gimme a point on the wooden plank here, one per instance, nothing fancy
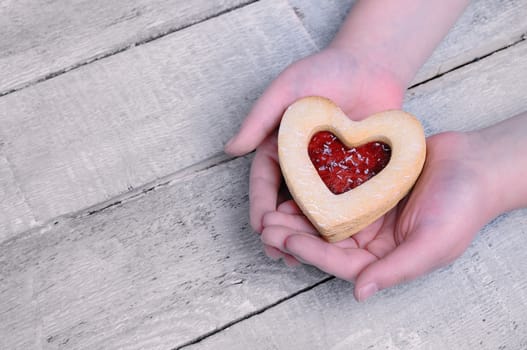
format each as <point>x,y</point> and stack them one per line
<point>40,38</point>
<point>15,214</point>
<point>115,125</point>
<point>474,96</point>
<point>45,38</point>
<point>322,19</point>
<point>152,273</point>
<point>486,26</point>
<point>180,262</point>
<point>478,302</point>
<point>119,123</point>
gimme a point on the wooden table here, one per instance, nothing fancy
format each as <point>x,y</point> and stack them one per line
<point>124,226</point>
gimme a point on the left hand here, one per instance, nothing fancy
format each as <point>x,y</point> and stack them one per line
<point>359,85</point>
<point>428,229</point>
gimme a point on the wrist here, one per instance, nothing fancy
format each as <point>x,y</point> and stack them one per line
<point>398,35</point>
<point>488,194</point>
<point>500,148</point>
<point>380,88</point>
<point>377,59</point>
<point>368,33</point>
<point>459,154</point>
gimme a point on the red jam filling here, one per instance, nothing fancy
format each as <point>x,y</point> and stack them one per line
<point>342,168</point>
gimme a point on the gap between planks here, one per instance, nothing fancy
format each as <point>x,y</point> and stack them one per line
<point>521,39</point>
<point>222,159</point>
<point>254,313</point>
<point>202,165</point>
<point>330,278</point>
<point>133,194</point>
<point>122,49</point>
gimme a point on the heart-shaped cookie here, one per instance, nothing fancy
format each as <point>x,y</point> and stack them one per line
<point>338,216</point>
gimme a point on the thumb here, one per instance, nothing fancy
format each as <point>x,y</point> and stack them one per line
<point>419,254</point>
<point>263,118</point>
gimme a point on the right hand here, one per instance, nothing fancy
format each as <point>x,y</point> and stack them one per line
<point>428,229</point>
<point>357,84</point>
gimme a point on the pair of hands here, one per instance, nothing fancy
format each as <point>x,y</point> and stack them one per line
<point>428,229</point>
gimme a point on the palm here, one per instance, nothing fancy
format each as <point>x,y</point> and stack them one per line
<point>415,237</point>
<point>359,88</point>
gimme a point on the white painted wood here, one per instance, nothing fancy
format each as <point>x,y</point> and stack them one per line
<point>479,302</point>
<point>474,96</point>
<point>152,273</point>
<point>322,19</point>
<point>42,37</point>
<point>116,124</point>
<point>15,213</point>
<point>485,26</point>
<point>179,262</point>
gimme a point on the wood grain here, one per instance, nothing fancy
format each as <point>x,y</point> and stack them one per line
<point>152,273</point>
<point>42,38</point>
<point>15,213</point>
<point>179,263</point>
<point>116,124</point>
<point>475,96</point>
<point>485,26</point>
<point>112,126</point>
<point>479,302</point>
<point>322,19</point>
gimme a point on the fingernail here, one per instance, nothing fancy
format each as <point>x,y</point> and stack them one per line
<point>367,291</point>
<point>290,261</point>
<point>229,143</point>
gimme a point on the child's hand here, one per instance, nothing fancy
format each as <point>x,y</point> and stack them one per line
<point>357,84</point>
<point>431,227</point>
<point>365,70</point>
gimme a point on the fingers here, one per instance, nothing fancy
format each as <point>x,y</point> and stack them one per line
<point>289,207</point>
<point>330,258</point>
<point>384,241</point>
<point>276,254</point>
<point>367,234</point>
<point>285,229</point>
<point>273,238</point>
<point>278,224</point>
<point>414,257</point>
<point>264,182</point>
<point>291,221</point>
<point>263,118</point>
<point>276,236</point>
